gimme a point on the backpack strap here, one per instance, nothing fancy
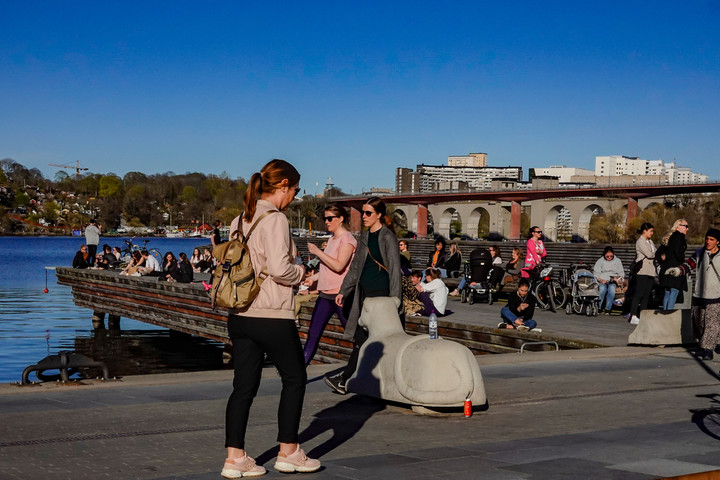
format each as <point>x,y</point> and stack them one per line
<point>258,221</point>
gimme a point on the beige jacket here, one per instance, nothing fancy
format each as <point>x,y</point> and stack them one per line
<point>272,252</point>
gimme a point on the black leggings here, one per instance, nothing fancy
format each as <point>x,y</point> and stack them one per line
<point>643,290</point>
<point>251,337</point>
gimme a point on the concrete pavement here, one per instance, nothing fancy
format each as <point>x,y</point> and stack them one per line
<point>616,413</point>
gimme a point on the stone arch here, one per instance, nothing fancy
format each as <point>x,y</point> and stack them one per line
<point>585,217</point>
<point>478,225</point>
<point>449,216</point>
<point>558,224</point>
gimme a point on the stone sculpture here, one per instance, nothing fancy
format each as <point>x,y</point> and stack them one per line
<point>412,369</point>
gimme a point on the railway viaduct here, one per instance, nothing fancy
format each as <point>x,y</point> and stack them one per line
<point>560,212</point>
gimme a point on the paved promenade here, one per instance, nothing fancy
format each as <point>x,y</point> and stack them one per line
<point>615,413</point>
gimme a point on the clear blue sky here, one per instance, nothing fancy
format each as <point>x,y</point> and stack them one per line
<point>352,90</point>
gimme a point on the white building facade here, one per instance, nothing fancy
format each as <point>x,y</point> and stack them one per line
<point>619,165</point>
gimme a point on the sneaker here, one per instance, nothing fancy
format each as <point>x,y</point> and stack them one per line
<point>501,325</point>
<point>455,293</point>
<point>627,317</point>
<point>634,320</point>
<point>523,328</point>
<point>297,462</point>
<point>337,383</point>
<point>242,467</point>
<point>704,354</point>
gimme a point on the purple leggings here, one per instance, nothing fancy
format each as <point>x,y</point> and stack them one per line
<point>428,307</point>
<point>324,309</point>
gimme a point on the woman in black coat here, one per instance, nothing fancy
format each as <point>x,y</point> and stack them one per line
<point>674,253</point>
<point>82,258</point>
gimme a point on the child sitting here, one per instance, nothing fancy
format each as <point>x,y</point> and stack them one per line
<point>520,308</point>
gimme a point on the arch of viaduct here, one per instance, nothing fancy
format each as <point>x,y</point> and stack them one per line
<point>561,211</point>
<point>557,217</point>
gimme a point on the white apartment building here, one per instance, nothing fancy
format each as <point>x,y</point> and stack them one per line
<point>563,173</point>
<point>619,165</point>
<point>476,177</point>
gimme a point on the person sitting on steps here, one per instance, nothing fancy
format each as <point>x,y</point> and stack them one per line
<point>520,309</point>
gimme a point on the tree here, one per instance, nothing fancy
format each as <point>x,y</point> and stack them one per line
<point>110,186</point>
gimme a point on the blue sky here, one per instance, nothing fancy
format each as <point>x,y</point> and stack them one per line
<point>351,90</point>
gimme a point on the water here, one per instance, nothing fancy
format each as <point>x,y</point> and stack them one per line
<point>34,324</point>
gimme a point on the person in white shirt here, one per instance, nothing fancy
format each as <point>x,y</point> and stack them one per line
<point>152,266</point>
<point>433,293</point>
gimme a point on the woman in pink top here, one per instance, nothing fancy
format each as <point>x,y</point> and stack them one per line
<point>334,263</point>
<point>535,252</point>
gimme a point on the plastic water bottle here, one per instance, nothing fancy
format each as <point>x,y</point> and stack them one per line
<point>432,326</point>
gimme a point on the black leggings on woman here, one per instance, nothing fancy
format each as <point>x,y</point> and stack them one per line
<point>251,338</point>
<point>643,290</point>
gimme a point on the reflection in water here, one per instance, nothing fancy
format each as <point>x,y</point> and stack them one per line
<point>34,324</point>
<point>136,352</point>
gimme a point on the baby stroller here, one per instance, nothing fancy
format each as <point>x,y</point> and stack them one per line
<point>584,292</point>
<point>477,270</point>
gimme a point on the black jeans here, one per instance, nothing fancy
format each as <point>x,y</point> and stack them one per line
<point>643,289</point>
<point>251,337</point>
<point>92,250</point>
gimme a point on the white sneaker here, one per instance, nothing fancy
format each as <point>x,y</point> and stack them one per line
<point>634,320</point>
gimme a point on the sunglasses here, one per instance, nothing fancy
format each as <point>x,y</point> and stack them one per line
<point>367,213</point>
<point>686,226</point>
<point>330,218</point>
<point>537,231</point>
<point>297,190</point>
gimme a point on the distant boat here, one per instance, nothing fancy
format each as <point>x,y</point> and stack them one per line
<point>175,234</point>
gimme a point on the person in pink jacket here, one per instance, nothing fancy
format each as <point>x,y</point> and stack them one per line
<point>268,325</point>
<point>535,252</point>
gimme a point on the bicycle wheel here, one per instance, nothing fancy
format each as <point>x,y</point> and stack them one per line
<point>541,294</point>
<point>558,295</point>
<point>156,253</point>
<point>550,294</point>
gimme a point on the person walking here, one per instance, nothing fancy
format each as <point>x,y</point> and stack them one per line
<point>334,264</point>
<point>374,272</point>
<point>674,253</point>
<point>644,272</point>
<point>705,310</point>
<point>268,325</point>
<point>92,239</point>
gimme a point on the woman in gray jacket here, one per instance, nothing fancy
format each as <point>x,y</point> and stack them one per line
<point>374,272</point>
<point>645,273</point>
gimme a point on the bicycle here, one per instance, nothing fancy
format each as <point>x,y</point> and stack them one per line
<point>549,293</point>
<point>130,247</point>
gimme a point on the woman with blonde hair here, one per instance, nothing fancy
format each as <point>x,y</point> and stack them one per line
<point>673,248</point>
<point>268,325</point>
<point>454,261</point>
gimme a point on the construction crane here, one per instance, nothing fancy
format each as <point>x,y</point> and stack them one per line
<point>77,167</point>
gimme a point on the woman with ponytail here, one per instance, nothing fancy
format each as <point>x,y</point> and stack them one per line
<point>268,325</point>
<point>374,272</point>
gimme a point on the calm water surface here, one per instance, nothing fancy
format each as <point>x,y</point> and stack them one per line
<point>34,324</point>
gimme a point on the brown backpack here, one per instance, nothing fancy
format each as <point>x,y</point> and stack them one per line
<point>234,284</point>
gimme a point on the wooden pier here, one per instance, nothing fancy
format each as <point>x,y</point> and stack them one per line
<point>186,308</point>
